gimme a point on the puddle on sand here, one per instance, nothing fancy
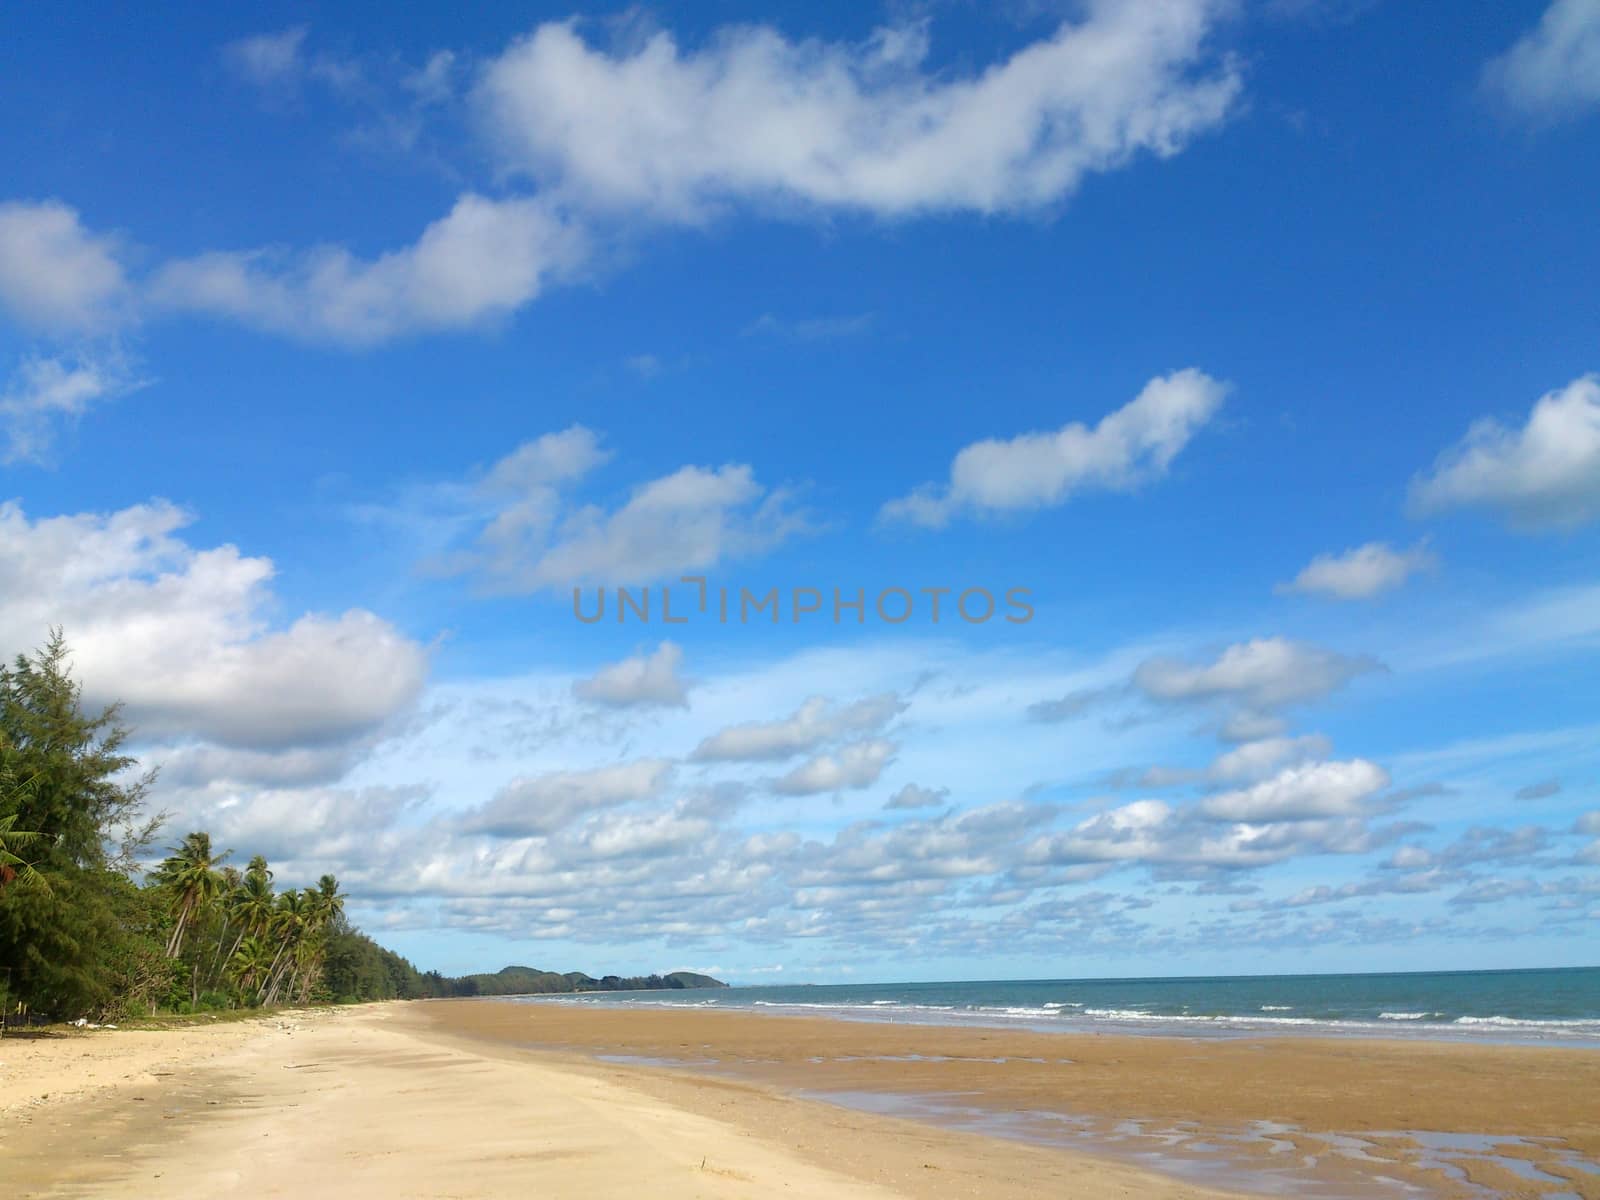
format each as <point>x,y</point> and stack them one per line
<point>645,1060</point>
<point>1263,1157</point>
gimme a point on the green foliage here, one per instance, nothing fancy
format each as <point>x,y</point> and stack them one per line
<point>67,925</point>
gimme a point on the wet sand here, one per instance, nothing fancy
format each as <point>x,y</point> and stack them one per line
<point>1280,1114</point>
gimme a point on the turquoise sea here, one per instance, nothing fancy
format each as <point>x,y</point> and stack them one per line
<point>1560,1006</point>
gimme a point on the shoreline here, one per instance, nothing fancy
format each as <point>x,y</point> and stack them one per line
<point>468,1098</point>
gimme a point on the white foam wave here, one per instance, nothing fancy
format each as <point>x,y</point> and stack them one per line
<point>1526,1023</point>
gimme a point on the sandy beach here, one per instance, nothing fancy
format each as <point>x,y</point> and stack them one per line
<point>481,1099</point>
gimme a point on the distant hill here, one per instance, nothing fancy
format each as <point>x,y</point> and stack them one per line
<point>521,981</point>
<point>689,979</point>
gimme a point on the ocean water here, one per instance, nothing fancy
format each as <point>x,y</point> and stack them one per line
<point>1544,1006</point>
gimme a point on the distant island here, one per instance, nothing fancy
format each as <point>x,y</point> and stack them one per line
<point>522,981</point>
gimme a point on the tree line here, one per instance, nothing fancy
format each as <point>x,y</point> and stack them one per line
<point>86,931</point>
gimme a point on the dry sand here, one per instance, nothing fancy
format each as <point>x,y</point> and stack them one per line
<point>483,1099</point>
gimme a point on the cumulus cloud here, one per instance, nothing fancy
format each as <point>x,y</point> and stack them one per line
<point>1316,790</point>
<point>47,393</point>
<point>536,536</point>
<point>1261,675</point>
<point>536,805</point>
<point>1244,763</point>
<point>642,680</point>
<point>1545,475</point>
<point>1361,573</point>
<point>1128,447</point>
<point>192,766</point>
<point>547,461</point>
<point>483,259</point>
<point>853,766</point>
<point>305,827</point>
<point>752,117</point>
<point>180,635</point>
<point>813,724</point>
<point>54,273</point>
<point>915,796</point>
<point>1553,70</point>
<point>1186,839</point>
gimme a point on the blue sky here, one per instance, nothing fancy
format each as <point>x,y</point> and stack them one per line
<point>1257,342</point>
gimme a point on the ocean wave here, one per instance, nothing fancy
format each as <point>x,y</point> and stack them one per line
<point>1277,1008</point>
<point>1530,1023</point>
<point>1409,1016</point>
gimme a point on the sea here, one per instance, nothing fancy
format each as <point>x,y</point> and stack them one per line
<point>1555,1006</point>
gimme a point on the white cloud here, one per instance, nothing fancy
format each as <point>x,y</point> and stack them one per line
<point>1244,763</point>
<point>1304,811</point>
<point>196,766</point>
<point>814,723</point>
<point>1361,573</point>
<point>638,681</point>
<point>547,461</point>
<point>180,636</point>
<point>856,765</point>
<point>1128,447</point>
<point>49,392</point>
<point>753,117</point>
<point>915,796</point>
<point>1545,475</point>
<point>1542,790</point>
<point>1316,790</point>
<point>304,827</point>
<point>483,259</point>
<point>268,59</point>
<point>537,537</point>
<point>1074,704</point>
<point>1262,674</point>
<point>1253,760</point>
<point>1553,70</point>
<point>542,804</point>
<point>53,272</point>
<point>811,329</point>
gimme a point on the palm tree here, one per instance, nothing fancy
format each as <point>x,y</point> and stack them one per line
<point>12,865</point>
<point>228,894</point>
<point>252,904</point>
<point>251,960</point>
<point>289,922</point>
<point>191,876</point>
<point>324,904</point>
